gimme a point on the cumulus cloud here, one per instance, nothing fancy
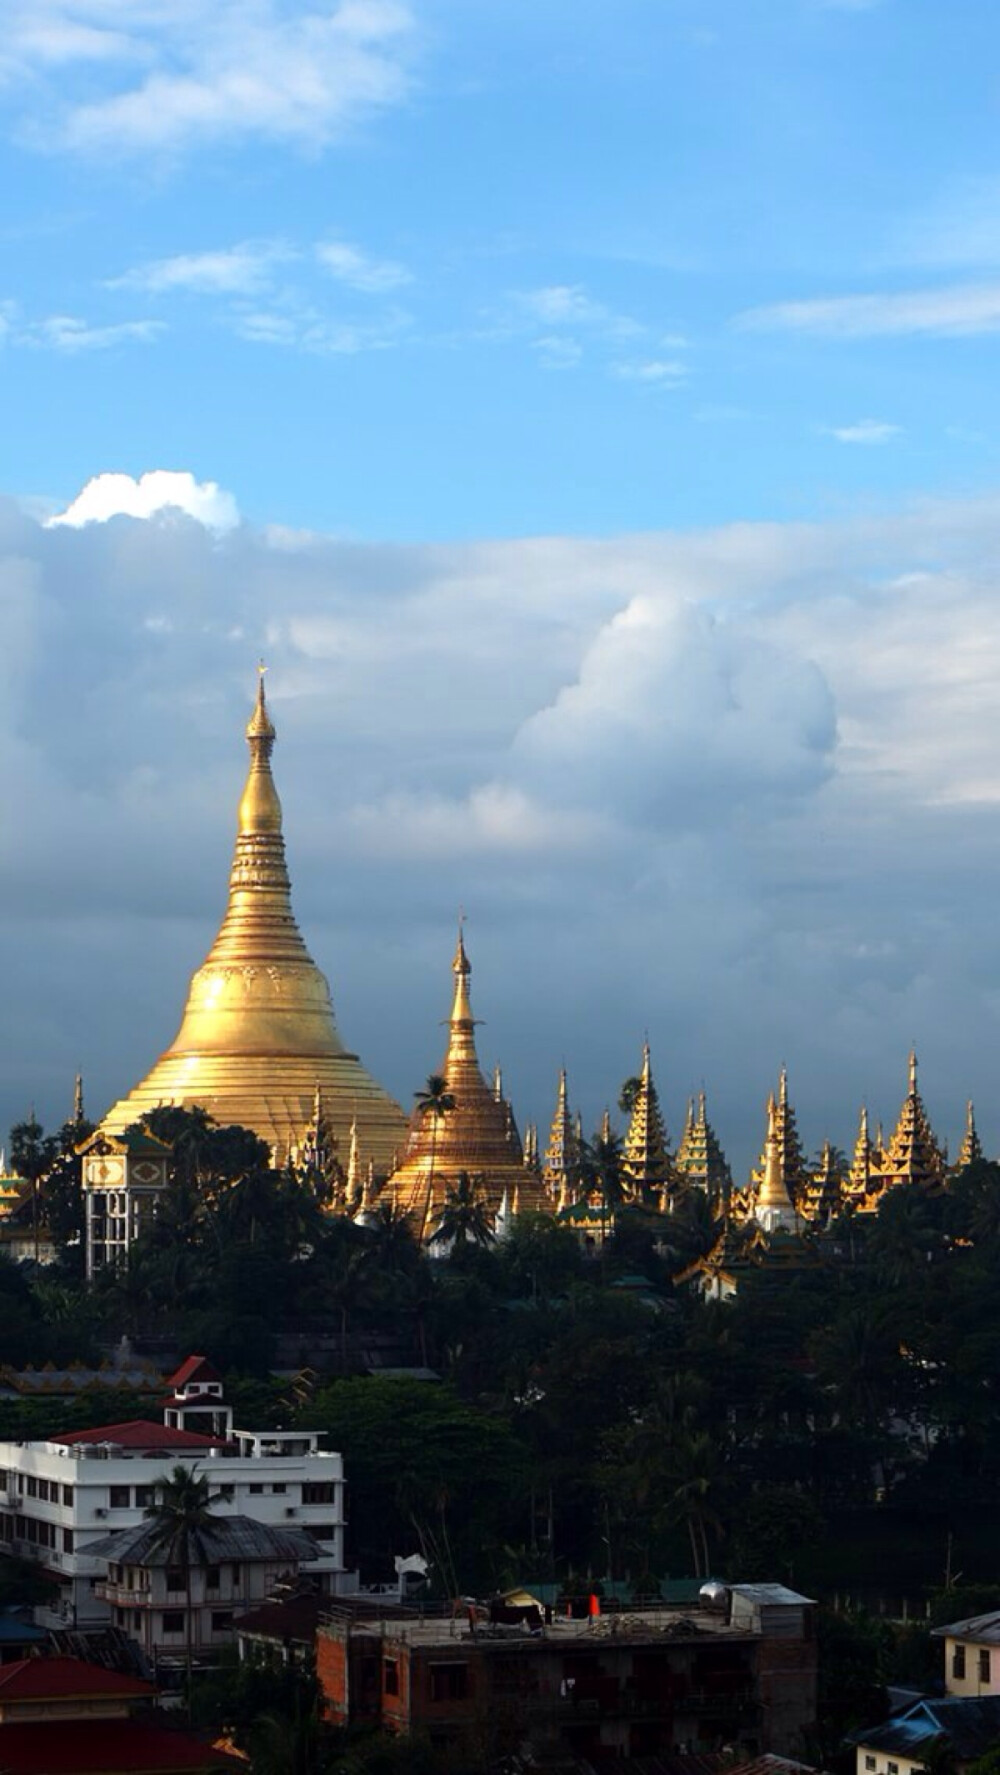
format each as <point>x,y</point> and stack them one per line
<point>161,489</point>
<point>163,78</point>
<point>736,787</point>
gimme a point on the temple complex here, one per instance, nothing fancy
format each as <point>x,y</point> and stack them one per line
<point>474,1134</point>
<point>258,1044</point>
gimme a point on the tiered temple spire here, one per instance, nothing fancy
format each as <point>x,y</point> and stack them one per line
<point>647,1170</point>
<point>913,1154</point>
<point>701,1162</point>
<point>971,1148</point>
<point>560,1164</point>
<point>258,1031</point>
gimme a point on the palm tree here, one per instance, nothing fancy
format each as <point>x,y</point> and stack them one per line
<point>465,1215</point>
<point>435,1101</point>
<point>181,1514</point>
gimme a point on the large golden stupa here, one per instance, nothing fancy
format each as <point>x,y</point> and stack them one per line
<point>258,1044</point>
<point>476,1135</point>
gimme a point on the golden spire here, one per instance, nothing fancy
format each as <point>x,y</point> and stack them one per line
<point>647,1170</point>
<point>476,1135</point>
<point>258,1034</point>
<point>559,1163</point>
<point>774,1208</point>
<point>701,1162</point>
<point>971,1148</point>
<point>913,1154</point>
<point>78,1113</point>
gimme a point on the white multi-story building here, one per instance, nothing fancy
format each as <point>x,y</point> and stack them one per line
<point>59,1496</point>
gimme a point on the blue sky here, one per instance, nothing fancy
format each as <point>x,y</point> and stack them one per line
<point>506,268</point>
<point>590,411</point>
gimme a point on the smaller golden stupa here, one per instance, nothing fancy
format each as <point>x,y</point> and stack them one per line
<point>477,1135</point>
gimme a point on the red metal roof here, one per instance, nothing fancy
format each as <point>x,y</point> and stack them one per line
<point>107,1747</point>
<point>139,1433</point>
<point>62,1679</point>
<point>193,1368</point>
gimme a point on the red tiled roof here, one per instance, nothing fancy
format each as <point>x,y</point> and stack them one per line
<point>193,1368</point>
<point>61,1679</point>
<point>140,1433</point>
<point>106,1747</point>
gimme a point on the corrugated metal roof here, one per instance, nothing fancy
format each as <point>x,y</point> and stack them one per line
<point>229,1538</point>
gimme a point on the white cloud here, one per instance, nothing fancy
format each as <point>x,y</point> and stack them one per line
<point>67,332</point>
<point>956,311</point>
<point>349,265</point>
<point>656,371</point>
<point>864,431</point>
<point>118,495</point>
<point>569,305</point>
<point>183,74</point>
<point>226,271</point>
<point>557,351</point>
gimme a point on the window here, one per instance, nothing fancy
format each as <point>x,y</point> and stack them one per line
<point>984,1665</point>
<point>870,1763</point>
<point>319,1494</point>
<point>256,1488</point>
<point>958,1662</point>
<point>173,1621</point>
<point>893,1768</point>
<point>211,1577</point>
<point>322,1531</point>
<point>279,1488</point>
<point>32,1486</point>
<point>450,1682</point>
<point>121,1497</point>
<point>175,1580</point>
<point>225,1493</point>
<point>143,1497</point>
<point>222,1620</point>
<point>136,1618</point>
<point>390,1676</point>
<point>68,1496</point>
<point>43,1490</point>
<point>67,1540</point>
<point>236,1577</point>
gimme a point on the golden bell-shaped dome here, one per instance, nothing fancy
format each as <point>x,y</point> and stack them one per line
<point>258,1036</point>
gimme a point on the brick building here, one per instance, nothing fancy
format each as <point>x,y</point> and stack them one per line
<point>636,1682</point>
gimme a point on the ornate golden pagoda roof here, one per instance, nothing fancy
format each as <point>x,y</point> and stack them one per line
<point>477,1135</point>
<point>913,1154</point>
<point>971,1148</point>
<point>787,1146</point>
<point>647,1169</point>
<point>863,1186</point>
<point>821,1197</point>
<point>560,1166</point>
<point>774,1204</point>
<point>258,1040</point>
<point>701,1162</point>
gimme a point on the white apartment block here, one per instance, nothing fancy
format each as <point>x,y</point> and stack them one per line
<point>59,1496</point>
